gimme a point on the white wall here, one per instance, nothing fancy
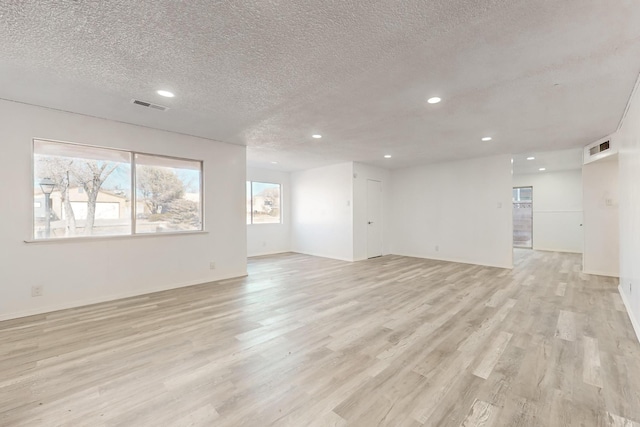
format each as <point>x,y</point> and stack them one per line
<point>601,230</point>
<point>629,174</point>
<point>463,208</point>
<point>78,272</point>
<point>264,239</point>
<point>362,173</point>
<point>322,217</point>
<point>557,209</point>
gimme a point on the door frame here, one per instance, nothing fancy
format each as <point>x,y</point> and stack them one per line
<point>380,219</point>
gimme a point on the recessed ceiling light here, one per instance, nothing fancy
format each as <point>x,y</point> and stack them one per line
<point>542,169</point>
<point>387,156</point>
<point>274,163</point>
<point>531,158</point>
<point>434,100</point>
<point>487,138</point>
<point>165,93</point>
<point>316,136</point>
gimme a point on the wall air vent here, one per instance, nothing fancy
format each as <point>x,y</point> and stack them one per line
<point>599,148</point>
<point>149,105</point>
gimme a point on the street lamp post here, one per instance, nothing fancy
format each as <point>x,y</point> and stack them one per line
<point>47,185</point>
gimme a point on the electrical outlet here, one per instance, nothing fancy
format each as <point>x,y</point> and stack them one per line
<point>264,244</point>
<point>36,291</point>
<point>437,248</point>
<point>629,287</point>
<point>212,265</point>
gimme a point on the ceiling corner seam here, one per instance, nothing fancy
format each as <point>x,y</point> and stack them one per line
<point>626,109</point>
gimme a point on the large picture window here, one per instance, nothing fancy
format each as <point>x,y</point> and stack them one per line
<point>89,191</point>
<point>263,203</point>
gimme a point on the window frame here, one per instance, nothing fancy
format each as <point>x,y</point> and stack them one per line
<point>132,233</point>
<point>519,198</point>
<point>281,221</point>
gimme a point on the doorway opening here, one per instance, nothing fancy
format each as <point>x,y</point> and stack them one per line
<point>523,217</point>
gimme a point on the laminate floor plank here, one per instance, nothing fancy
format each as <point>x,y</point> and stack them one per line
<point>307,341</point>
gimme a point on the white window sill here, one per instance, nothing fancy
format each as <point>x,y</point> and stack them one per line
<point>121,237</point>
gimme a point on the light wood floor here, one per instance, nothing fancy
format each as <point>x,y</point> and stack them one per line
<point>307,341</point>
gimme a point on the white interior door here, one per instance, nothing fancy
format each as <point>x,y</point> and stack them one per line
<point>374,218</point>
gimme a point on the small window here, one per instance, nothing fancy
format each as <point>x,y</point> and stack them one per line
<point>263,203</point>
<point>522,194</point>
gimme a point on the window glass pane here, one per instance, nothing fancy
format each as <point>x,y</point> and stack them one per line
<point>168,194</point>
<point>522,194</point>
<point>248,202</point>
<point>89,191</point>
<point>525,194</point>
<point>266,203</point>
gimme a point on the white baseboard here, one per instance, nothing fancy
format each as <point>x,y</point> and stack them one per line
<point>600,273</point>
<point>461,261</point>
<point>453,259</point>
<point>319,255</point>
<point>567,251</point>
<point>627,305</point>
<point>366,258</point>
<point>108,298</point>
<point>267,253</point>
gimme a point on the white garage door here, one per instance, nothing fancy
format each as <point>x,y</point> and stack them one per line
<point>104,210</point>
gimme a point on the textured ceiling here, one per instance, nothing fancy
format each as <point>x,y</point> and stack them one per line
<point>534,75</point>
